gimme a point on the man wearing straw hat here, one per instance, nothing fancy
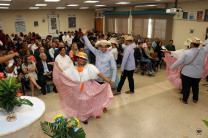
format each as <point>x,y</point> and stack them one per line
<point>127,66</point>
<point>191,73</point>
<point>104,60</point>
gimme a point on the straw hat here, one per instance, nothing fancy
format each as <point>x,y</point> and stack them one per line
<point>129,38</point>
<point>103,42</point>
<point>194,40</point>
<point>82,55</point>
<point>113,41</point>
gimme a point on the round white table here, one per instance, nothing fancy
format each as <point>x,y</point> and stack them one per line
<point>28,120</point>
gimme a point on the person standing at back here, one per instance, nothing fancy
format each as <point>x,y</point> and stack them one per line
<point>127,66</point>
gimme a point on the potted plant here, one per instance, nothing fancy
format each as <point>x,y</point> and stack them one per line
<point>63,127</point>
<point>10,96</point>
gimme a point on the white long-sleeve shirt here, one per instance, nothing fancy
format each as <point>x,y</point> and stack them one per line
<point>64,62</point>
<point>52,51</point>
<point>104,61</point>
<point>195,69</point>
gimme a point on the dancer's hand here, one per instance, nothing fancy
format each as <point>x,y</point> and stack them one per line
<point>112,84</point>
<point>108,80</point>
<point>122,73</point>
<point>84,30</point>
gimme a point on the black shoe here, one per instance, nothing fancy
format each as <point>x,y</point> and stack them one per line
<point>55,90</point>
<point>85,122</point>
<point>43,91</point>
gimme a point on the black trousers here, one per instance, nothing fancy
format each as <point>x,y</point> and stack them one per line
<point>187,84</point>
<point>128,74</point>
<point>42,80</point>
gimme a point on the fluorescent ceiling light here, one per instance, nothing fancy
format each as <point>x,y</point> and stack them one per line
<point>3,4</point>
<point>100,5</point>
<point>51,0</point>
<point>60,7</point>
<point>122,2</point>
<point>73,5</point>
<point>84,8</point>
<point>145,6</point>
<point>150,5</point>
<point>90,1</point>
<point>40,4</point>
<point>5,0</point>
<point>34,8</point>
<point>4,7</point>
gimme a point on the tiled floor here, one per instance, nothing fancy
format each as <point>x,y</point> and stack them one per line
<point>154,111</point>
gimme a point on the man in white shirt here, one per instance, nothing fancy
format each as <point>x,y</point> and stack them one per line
<point>64,37</point>
<point>34,47</point>
<point>69,39</point>
<point>63,60</point>
<point>52,50</point>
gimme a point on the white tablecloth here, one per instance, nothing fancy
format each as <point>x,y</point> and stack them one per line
<point>28,120</point>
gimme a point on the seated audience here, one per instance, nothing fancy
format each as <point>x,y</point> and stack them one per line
<point>52,50</point>
<point>63,60</point>
<point>170,46</point>
<point>145,43</point>
<point>29,69</point>
<point>44,72</point>
<point>24,47</point>
<point>141,57</point>
<point>42,50</point>
<point>27,53</point>
<point>154,44</point>
<point>73,53</point>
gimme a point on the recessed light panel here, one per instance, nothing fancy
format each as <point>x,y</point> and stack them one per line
<point>60,7</point>
<point>51,0</point>
<point>3,4</point>
<point>90,1</point>
<point>40,4</point>
<point>73,5</point>
<point>84,8</point>
<point>122,2</point>
<point>100,5</point>
<point>34,8</point>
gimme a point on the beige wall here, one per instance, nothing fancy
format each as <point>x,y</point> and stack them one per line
<point>181,28</point>
<point>83,17</point>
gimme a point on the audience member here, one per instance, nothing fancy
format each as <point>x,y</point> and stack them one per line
<point>64,61</point>
<point>44,72</point>
<point>29,69</point>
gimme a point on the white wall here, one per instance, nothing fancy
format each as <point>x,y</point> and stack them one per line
<point>181,28</point>
<point>83,17</point>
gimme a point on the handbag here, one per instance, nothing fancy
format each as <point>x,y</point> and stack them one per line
<point>188,63</point>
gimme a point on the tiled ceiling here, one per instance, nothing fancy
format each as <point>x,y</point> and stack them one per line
<point>25,4</point>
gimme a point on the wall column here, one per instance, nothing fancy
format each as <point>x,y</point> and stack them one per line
<point>130,23</point>
<point>104,25</point>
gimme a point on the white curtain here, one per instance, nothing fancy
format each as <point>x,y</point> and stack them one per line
<point>110,25</point>
<point>121,25</point>
<point>160,28</point>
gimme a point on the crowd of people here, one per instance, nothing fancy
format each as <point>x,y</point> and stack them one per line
<point>32,59</point>
<point>35,53</point>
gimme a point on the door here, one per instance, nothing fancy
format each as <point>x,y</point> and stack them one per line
<point>99,24</point>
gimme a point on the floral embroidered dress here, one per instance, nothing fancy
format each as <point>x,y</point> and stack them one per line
<point>80,95</point>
